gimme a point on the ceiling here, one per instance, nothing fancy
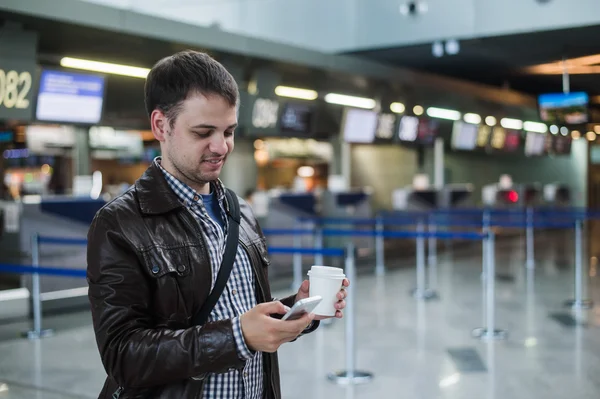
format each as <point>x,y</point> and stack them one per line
<point>498,60</point>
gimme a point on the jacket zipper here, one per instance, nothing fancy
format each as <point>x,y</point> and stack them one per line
<point>118,393</point>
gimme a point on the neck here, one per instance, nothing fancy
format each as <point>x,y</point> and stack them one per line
<point>199,187</point>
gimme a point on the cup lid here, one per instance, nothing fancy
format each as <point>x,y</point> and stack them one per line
<point>326,271</point>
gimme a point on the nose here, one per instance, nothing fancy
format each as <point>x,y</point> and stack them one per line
<point>218,144</point>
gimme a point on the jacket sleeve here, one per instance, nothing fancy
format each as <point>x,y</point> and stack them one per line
<point>134,352</point>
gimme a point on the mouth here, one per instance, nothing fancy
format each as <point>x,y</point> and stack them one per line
<point>214,162</point>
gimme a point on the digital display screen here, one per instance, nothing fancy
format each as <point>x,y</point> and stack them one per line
<point>464,136</point>
<point>296,118</point>
<point>483,135</point>
<point>512,140</point>
<point>562,145</point>
<point>360,126</point>
<point>408,129</point>
<point>569,108</point>
<point>535,144</point>
<point>385,127</point>
<point>498,138</point>
<point>70,97</point>
<point>427,131</point>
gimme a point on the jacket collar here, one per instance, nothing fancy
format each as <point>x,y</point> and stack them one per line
<point>154,194</point>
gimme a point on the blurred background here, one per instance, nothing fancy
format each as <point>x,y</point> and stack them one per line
<point>349,109</point>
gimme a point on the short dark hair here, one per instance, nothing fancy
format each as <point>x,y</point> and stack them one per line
<point>174,78</point>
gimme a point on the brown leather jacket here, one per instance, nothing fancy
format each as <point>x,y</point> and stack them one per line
<point>148,274</point>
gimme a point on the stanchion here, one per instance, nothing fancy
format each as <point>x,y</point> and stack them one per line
<point>379,248</point>
<point>490,333</point>
<point>318,243</point>
<point>432,281</point>
<point>484,259</point>
<point>350,375</point>
<point>297,263</point>
<point>421,292</point>
<point>579,303</point>
<point>36,300</point>
<point>530,264</point>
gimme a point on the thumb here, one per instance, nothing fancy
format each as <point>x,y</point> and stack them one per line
<point>274,307</point>
<point>305,287</point>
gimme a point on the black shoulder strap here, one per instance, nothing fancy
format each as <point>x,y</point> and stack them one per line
<point>233,214</point>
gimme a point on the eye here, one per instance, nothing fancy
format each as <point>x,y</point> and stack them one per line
<point>202,135</point>
<point>229,133</point>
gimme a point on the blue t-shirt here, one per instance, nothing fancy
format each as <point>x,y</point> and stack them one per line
<point>212,208</point>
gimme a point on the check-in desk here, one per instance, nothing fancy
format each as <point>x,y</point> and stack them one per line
<point>456,196</point>
<point>558,195</point>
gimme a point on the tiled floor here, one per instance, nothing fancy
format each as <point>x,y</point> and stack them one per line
<point>405,343</point>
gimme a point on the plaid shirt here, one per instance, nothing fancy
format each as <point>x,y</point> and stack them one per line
<point>237,298</point>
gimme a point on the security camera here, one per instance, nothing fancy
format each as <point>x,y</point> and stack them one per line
<point>414,8</point>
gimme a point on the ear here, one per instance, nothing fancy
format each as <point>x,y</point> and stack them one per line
<point>159,124</point>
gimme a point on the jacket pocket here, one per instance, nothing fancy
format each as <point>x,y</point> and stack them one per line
<point>167,268</point>
<point>262,251</point>
<point>161,261</point>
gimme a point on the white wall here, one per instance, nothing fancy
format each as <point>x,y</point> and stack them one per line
<point>346,25</point>
<point>384,168</point>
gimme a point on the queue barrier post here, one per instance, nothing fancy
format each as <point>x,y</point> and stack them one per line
<point>350,376</point>
<point>421,292</point>
<point>379,247</point>
<point>36,301</point>
<point>490,332</point>
<point>579,303</point>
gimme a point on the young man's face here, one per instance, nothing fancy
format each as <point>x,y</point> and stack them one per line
<point>197,145</point>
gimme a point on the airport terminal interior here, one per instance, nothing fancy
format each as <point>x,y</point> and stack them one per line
<point>443,154</point>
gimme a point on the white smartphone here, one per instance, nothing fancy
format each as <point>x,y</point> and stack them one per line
<point>302,307</point>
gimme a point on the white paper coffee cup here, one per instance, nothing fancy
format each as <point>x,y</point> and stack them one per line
<point>326,282</point>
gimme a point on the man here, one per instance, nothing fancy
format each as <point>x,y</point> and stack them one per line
<point>155,253</point>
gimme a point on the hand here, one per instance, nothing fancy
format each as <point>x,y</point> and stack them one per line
<point>264,333</point>
<point>304,291</point>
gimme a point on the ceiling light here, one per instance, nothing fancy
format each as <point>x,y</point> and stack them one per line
<point>591,136</point>
<point>597,129</point>
<point>350,101</point>
<point>259,144</point>
<point>105,67</point>
<point>294,92</point>
<point>397,108</point>
<point>490,121</point>
<point>554,129</point>
<point>442,113</point>
<point>575,134</point>
<point>472,118</point>
<point>536,127</point>
<point>306,171</point>
<point>564,131</point>
<point>531,342</point>
<point>452,47</point>
<point>509,123</point>
<point>450,380</point>
<point>418,110</point>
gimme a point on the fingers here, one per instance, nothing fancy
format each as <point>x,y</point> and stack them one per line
<point>274,307</point>
<point>346,283</point>
<point>305,287</point>
<point>295,326</point>
<point>340,305</point>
